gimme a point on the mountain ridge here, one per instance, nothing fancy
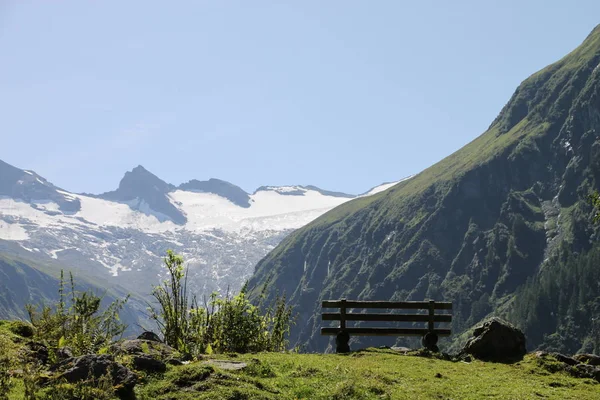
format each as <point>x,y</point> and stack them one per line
<point>473,227</point>
<point>122,235</point>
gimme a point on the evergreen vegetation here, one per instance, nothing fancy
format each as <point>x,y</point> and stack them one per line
<point>220,324</point>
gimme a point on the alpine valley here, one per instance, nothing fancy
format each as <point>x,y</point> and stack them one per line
<point>503,226</point>
<point>119,238</point>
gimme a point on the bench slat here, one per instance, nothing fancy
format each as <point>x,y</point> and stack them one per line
<point>386,331</point>
<point>387,317</point>
<point>409,305</point>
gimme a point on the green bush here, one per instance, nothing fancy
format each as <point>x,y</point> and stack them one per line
<point>221,324</point>
<point>77,321</point>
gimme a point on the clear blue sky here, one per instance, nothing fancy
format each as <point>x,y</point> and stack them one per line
<point>340,94</point>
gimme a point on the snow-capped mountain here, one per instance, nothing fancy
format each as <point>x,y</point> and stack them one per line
<point>221,230</point>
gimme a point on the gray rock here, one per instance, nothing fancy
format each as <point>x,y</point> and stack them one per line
<point>147,363</point>
<point>590,359</point>
<point>584,371</point>
<point>37,352</point>
<point>94,366</point>
<point>227,364</point>
<point>147,335</point>
<point>141,346</point>
<point>496,340</point>
<point>565,359</point>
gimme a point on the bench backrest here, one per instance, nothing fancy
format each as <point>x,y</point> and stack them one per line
<point>430,317</point>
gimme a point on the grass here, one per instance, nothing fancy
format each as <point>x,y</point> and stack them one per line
<point>368,374</point>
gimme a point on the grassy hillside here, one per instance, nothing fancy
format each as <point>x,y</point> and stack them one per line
<point>471,229</point>
<point>25,280</point>
<point>369,374</point>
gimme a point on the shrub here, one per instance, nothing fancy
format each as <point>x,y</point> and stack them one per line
<point>228,324</point>
<point>77,321</point>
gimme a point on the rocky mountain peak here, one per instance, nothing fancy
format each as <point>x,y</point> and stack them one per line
<point>31,188</point>
<point>145,192</point>
<point>231,192</point>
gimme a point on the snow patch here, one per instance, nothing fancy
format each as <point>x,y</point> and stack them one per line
<point>10,231</point>
<point>385,186</point>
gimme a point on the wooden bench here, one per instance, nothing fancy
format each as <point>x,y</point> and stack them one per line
<point>429,334</point>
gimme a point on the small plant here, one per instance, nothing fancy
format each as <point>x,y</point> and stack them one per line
<point>77,321</point>
<point>6,361</point>
<point>31,379</point>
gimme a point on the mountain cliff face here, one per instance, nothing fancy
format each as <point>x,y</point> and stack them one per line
<point>472,229</point>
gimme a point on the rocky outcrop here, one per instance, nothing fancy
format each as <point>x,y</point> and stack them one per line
<point>147,335</point>
<point>590,359</point>
<point>147,355</point>
<point>496,340</point>
<point>579,366</point>
<point>94,367</point>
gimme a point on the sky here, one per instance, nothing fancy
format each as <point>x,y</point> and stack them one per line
<point>343,95</point>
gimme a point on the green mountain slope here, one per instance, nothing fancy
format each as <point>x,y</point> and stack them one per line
<point>26,280</point>
<point>472,228</point>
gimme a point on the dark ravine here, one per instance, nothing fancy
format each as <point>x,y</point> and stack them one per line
<point>471,229</point>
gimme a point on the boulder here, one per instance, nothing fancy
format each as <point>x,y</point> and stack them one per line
<point>142,346</point>
<point>564,359</point>
<point>590,359</point>
<point>147,363</point>
<point>496,340</point>
<point>36,352</point>
<point>147,335</point>
<point>584,371</point>
<point>94,367</point>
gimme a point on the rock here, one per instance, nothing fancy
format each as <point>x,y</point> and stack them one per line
<point>402,350</point>
<point>564,359</point>
<point>584,371</point>
<point>64,353</point>
<point>147,363</point>
<point>147,335</point>
<point>142,346</point>
<point>540,354</point>
<point>22,328</point>
<point>174,361</point>
<point>93,366</point>
<point>496,340</point>
<point>36,352</point>
<point>227,364</point>
<point>590,359</point>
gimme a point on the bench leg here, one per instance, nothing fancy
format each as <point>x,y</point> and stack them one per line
<point>429,341</point>
<point>341,342</point>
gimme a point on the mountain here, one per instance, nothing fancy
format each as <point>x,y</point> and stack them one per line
<point>233,193</point>
<point>122,235</point>
<point>31,187</point>
<point>484,228</point>
<point>29,279</point>
<point>145,192</point>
